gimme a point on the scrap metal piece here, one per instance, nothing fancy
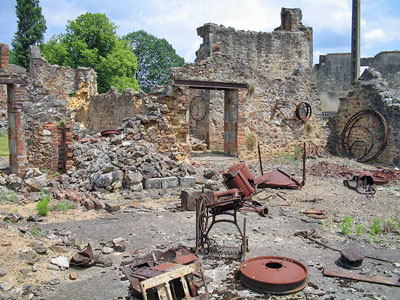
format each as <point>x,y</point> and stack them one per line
<point>174,284</point>
<point>333,272</point>
<point>352,123</point>
<point>221,207</point>
<point>350,258</point>
<point>86,258</point>
<point>110,132</point>
<point>278,179</point>
<point>274,274</point>
<point>303,107</point>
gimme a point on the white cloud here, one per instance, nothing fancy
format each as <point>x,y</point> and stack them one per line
<point>375,35</point>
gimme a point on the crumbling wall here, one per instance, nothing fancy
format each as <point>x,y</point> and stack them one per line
<point>372,92</point>
<point>58,80</point>
<point>277,66</point>
<point>108,110</point>
<point>333,75</point>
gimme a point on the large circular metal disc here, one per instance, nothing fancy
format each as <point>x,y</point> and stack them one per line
<point>273,274</point>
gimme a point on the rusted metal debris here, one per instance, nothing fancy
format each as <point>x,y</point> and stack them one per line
<point>303,111</point>
<point>332,272</point>
<point>274,274</point>
<point>350,258</point>
<point>361,183</point>
<point>349,141</point>
<point>222,207</point>
<point>327,169</point>
<point>153,269</point>
<point>379,177</point>
<point>309,235</point>
<point>86,258</point>
<point>110,132</point>
<point>175,284</point>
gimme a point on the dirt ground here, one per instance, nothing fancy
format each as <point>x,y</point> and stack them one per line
<point>156,222</point>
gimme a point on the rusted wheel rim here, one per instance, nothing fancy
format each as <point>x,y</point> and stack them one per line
<point>273,274</point>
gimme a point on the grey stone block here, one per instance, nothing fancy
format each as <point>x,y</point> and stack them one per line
<point>187,181</point>
<point>152,183</point>
<point>169,182</point>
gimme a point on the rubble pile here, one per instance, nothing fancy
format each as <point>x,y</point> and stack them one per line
<point>126,160</point>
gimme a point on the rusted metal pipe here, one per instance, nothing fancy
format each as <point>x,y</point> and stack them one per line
<point>259,158</point>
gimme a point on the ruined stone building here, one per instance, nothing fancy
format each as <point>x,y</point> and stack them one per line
<point>247,83</point>
<point>277,68</point>
<point>243,89</point>
<point>333,75</point>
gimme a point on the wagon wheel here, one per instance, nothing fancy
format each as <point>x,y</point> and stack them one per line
<point>203,215</point>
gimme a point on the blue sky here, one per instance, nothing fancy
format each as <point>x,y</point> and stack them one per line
<point>177,20</point>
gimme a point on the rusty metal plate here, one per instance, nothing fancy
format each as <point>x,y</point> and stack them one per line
<point>273,274</point>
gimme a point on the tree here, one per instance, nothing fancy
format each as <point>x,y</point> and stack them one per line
<point>155,56</point>
<point>30,29</point>
<point>90,41</point>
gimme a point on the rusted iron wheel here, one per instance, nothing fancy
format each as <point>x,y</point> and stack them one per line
<point>303,111</point>
<point>352,123</point>
<point>273,274</point>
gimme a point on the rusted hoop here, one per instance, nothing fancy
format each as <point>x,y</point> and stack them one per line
<point>308,111</point>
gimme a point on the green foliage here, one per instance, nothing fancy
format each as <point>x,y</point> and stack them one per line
<point>155,56</point>
<point>297,152</point>
<point>35,231</point>
<point>4,149</point>
<point>118,68</point>
<point>376,227</point>
<point>12,57</point>
<point>61,124</point>
<point>31,26</point>
<point>359,229</point>
<point>9,196</point>
<point>42,206</point>
<point>90,41</point>
<point>62,206</point>
<point>346,224</point>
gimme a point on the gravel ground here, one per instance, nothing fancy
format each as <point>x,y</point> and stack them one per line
<point>151,224</point>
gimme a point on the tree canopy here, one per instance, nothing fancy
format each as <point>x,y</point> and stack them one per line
<point>91,41</point>
<point>155,56</point>
<point>30,30</point>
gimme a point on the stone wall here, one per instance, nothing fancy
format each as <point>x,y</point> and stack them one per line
<point>58,80</point>
<point>277,67</point>
<point>333,75</point>
<point>107,111</point>
<point>372,92</point>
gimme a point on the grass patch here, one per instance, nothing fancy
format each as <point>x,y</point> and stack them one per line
<point>9,196</point>
<point>42,206</point>
<point>346,224</point>
<point>62,206</point>
<point>4,149</point>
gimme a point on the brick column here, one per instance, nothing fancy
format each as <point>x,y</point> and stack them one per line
<point>4,56</point>
<point>16,134</point>
<point>69,162</point>
<point>242,120</point>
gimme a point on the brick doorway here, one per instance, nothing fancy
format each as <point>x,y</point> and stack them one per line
<point>232,95</point>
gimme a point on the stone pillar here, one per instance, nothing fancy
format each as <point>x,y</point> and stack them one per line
<point>4,56</point>
<point>231,122</point>
<point>291,19</point>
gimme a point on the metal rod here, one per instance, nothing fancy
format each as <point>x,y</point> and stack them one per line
<point>259,158</point>
<point>304,165</point>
